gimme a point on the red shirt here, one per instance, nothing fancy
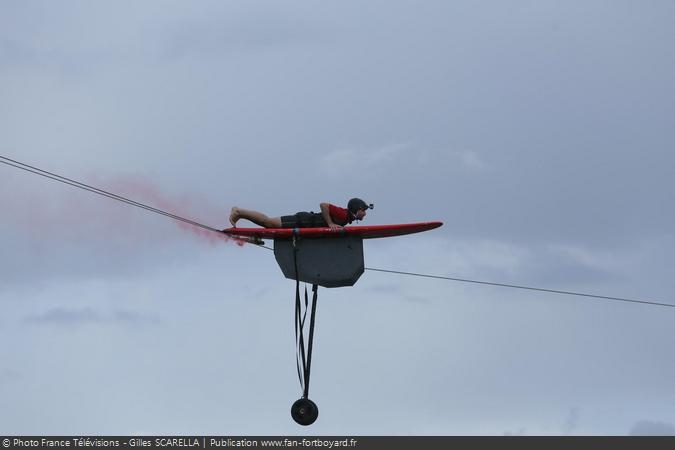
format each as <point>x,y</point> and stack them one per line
<point>339,215</point>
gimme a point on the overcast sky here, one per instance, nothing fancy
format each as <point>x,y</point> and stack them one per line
<point>539,132</point>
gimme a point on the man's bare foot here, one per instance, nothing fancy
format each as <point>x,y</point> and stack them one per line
<point>234,216</point>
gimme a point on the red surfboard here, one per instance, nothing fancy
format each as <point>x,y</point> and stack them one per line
<point>365,232</point>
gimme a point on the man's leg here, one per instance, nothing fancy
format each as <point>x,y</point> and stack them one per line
<point>256,217</point>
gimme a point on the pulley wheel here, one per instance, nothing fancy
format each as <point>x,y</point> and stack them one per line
<point>304,411</point>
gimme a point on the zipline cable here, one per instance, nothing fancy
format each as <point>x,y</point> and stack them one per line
<point>95,190</point>
<point>554,291</point>
<point>514,286</point>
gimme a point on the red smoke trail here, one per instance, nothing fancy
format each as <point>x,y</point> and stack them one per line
<point>142,191</point>
<point>49,212</point>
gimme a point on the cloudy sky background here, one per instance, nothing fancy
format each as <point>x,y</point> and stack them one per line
<point>540,133</point>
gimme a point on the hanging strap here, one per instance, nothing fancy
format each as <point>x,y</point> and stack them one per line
<point>308,368</point>
<point>299,322</point>
<point>303,359</point>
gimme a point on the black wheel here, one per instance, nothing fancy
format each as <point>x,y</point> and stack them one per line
<point>304,411</point>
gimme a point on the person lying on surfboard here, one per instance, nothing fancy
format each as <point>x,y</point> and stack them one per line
<point>331,216</point>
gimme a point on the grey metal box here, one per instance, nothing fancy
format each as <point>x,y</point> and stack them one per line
<point>328,262</point>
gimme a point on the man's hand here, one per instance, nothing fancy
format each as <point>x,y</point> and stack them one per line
<point>334,227</point>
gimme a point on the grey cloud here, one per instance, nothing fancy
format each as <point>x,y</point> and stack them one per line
<point>134,318</point>
<point>557,268</point>
<point>520,432</point>
<point>384,288</point>
<point>652,428</point>
<point>568,426</point>
<point>572,421</point>
<point>84,316</point>
<point>64,316</point>
<point>12,52</point>
<point>34,265</point>
<point>219,37</point>
<point>419,299</point>
<point>9,376</point>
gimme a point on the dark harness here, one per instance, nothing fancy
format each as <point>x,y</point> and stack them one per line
<point>304,219</point>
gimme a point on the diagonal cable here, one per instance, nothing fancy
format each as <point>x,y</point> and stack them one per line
<point>95,190</point>
<point>554,291</point>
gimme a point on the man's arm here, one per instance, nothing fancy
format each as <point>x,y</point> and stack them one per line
<point>325,212</point>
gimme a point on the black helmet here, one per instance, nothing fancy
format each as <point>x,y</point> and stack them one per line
<point>356,203</point>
